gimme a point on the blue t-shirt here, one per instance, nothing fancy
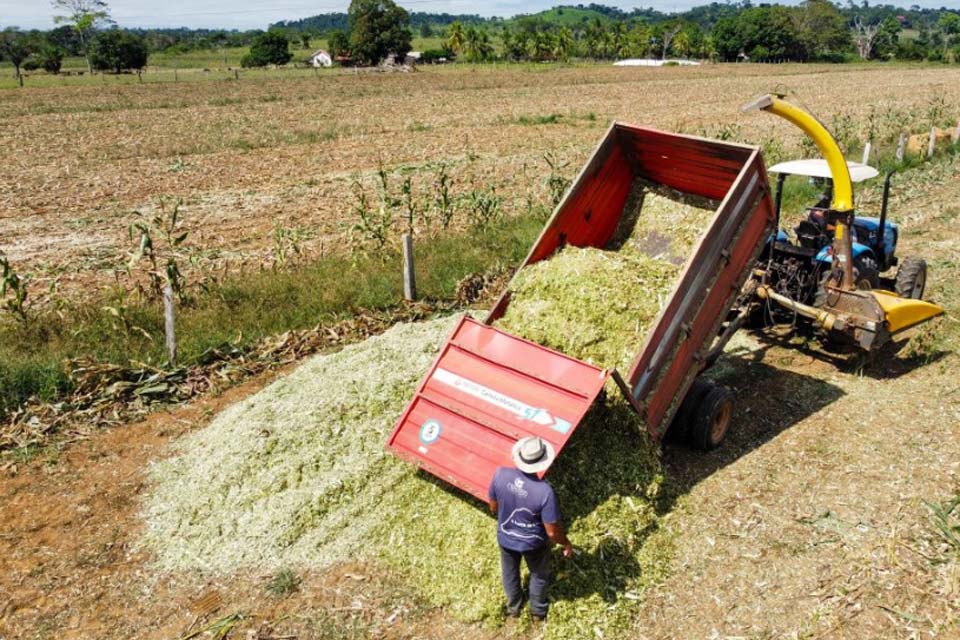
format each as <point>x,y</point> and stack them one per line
<point>524,504</point>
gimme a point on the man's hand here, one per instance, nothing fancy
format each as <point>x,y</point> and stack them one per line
<point>568,551</point>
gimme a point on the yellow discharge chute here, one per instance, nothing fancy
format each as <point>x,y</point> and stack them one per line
<point>842,185</point>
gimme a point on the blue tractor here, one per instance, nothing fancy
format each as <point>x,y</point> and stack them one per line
<point>801,267</point>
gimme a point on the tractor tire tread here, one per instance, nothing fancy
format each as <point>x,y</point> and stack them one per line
<point>907,275</point>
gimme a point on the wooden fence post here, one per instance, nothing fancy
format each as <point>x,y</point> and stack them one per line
<point>409,278</point>
<point>169,324</point>
<point>933,142</point>
<point>866,153</point>
<point>901,147</point>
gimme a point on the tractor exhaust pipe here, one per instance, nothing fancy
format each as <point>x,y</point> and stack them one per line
<point>882,232</point>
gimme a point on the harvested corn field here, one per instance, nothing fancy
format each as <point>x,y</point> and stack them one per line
<point>246,158</point>
<point>296,476</point>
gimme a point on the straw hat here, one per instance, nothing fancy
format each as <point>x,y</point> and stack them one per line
<point>533,454</point>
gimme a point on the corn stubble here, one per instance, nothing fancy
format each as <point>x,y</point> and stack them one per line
<point>296,476</point>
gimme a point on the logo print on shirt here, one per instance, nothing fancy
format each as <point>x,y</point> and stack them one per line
<point>517,488</point>
<point>520,525</point>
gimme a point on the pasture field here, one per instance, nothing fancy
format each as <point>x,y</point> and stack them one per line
<point>827,514</point>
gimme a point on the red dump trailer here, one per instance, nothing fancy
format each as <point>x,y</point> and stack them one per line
<point>487,388</point>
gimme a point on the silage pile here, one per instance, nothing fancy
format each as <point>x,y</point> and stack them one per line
<point>588,303</point>
<point>597,305</point>
<point>296,476</point>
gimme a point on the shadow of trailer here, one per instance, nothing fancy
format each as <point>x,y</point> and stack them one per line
<point>487,388</point>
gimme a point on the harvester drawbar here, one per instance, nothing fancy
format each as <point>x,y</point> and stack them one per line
<point>487,388</point>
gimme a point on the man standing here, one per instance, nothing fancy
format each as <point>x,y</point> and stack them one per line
<point>528,520</point>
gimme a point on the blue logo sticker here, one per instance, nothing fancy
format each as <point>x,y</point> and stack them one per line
<point>430,432</point>
<point>560,425</point>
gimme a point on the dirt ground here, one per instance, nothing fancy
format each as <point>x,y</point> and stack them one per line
<point>809,523</point>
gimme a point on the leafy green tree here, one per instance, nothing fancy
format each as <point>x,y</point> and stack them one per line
<point>564,44</point>
<point>85,16</point>
<point>16,46</point>
<point>271,47</point>
<point>305,37</point>
<point>763,33</point>
<point>66,38</point>
<point>888,36</point>
<point>824,31</point>
<point>456,37</point>
<point>477,45</point>
<point>50,57</point>
<point>116,51</point>
<point>377,29</point>
<point>727,39</point>
<point>425,30</point>
<point>339,43</point>
<point>949,24</point>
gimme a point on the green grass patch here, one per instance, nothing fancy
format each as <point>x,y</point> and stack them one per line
<point>242,309</point>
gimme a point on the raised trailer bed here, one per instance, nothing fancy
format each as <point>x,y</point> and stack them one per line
<point>488,388</point>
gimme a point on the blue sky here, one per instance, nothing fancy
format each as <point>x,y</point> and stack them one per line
<point>253,14</point>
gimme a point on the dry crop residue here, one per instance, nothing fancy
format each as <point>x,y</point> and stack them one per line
<point>244,156</point>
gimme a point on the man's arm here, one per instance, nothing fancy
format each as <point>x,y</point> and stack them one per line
<point>492,504</point>
<point>558,536</point>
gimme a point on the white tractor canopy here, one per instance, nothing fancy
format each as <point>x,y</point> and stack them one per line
<point>818,168</point>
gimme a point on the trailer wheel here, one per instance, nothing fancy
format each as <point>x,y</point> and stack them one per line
<point>912,278</point>
<point>712,420</point>
<point>683,421</point>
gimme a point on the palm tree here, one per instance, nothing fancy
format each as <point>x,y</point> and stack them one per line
<point>563,45</point>
<point>456,37</point>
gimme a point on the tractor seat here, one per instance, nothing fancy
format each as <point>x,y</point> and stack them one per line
<point>811,235</point>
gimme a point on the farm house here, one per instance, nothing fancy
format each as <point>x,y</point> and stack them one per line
<point>320,58</point>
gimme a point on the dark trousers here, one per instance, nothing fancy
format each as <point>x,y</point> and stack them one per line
<point>538,562</point>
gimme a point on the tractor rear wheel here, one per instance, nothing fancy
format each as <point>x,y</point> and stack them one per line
<point>683,421</point>
<point>712,420</point>
<point>912,278</point>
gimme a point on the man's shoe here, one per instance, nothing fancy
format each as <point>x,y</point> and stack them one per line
<point>538,618</point>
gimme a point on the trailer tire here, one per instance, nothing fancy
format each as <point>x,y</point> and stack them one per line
<point>683,421</point>
<point>912,278</point>
<point>712,421</point>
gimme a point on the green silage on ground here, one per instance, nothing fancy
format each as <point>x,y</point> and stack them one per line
<point>296,477</point>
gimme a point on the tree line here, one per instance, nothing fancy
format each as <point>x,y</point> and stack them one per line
<point>815,30</point>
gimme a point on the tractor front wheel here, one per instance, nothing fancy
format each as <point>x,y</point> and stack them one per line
<point>912,278</point>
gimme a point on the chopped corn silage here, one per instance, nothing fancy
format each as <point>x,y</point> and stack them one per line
<point>588,303</point>
<point>663,223</point>
<point>296,476</point>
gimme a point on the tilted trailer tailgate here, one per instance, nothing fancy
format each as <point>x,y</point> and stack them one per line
<point>484,391</point>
